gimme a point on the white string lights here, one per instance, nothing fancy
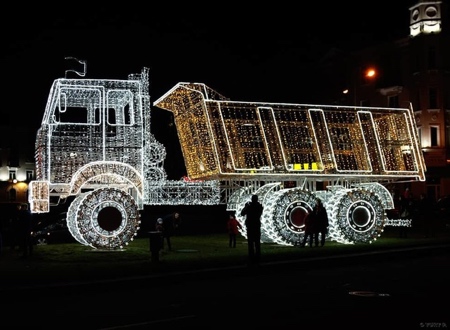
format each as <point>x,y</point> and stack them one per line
<point>95,143</point>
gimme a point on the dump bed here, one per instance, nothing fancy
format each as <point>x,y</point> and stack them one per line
<point>223,139</point>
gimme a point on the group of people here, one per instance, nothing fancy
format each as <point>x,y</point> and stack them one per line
<point>316,223</point>
<point>167,226</point>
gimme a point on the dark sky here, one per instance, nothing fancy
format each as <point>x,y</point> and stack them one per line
<point>221,46</point>
<point>251,54</point>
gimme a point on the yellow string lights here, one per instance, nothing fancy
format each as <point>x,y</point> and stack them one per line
<point>253,144</point>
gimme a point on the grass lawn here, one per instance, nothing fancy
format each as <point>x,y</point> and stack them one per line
<point>73,261</point>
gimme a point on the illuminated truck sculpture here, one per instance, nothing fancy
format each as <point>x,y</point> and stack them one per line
<point>292,154</point>
<point>94,148</point>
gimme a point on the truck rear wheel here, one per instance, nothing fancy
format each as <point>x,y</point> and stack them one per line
<point>284,215</point>
<point>106,218</point>
<point>355,216</point>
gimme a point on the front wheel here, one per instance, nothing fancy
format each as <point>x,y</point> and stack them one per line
<point>106,218</point>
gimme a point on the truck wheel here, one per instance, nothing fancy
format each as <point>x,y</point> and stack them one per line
<point>355,216</point>
<point>284,215</point>
<point>106,218</point>
<point>264,194</point>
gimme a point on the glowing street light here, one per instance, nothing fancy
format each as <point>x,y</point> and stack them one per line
<point>370,73</point>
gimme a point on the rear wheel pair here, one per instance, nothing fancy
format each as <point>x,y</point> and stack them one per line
<point>355,215</point>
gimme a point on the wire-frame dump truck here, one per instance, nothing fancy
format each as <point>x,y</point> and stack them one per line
<point>291,154</point>
<point>94,151</point>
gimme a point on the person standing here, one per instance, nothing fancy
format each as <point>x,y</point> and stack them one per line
<point>253,211</point>
<point>426,216</point>
<point>233,226</point>
<point>320,223</point>
<point>171,223</point>
<point>159,225</point>
<point>405,214</point>
<point>309,229</point>
<point>14,229</point>
<point>25,230</point>
<point>156,240</point>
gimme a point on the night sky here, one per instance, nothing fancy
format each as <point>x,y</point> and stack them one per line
<point>251,54</point>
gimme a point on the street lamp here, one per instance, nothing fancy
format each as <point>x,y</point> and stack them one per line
<point>369,74</point>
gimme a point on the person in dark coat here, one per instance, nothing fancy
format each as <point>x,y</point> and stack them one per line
<point>25,230</point>
<point>308,229</point>
<point>159,225</point>
<point>156,240</point>
<point>15,238</point>
<point>253,211</point>
<point>320,223</point>
<point>170,225</point>
<point>426,216</point>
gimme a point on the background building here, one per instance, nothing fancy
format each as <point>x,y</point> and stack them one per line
<point>17,167</point>
<point>412,72</point>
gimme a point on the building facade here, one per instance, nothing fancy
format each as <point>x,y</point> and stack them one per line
<point>17,167</point>
<point>412,72</point>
